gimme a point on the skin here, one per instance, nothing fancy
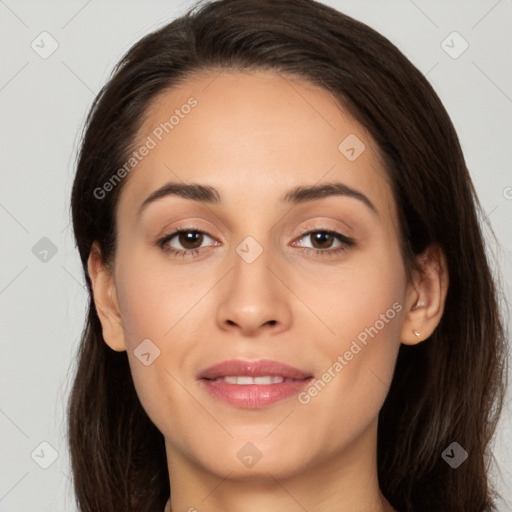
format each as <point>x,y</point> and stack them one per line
<point>253,136</point>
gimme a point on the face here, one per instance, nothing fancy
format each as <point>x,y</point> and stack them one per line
<point>262,271</point>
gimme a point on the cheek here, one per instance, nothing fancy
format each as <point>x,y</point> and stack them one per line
<point>153,300</point>
<point>374,317</point>
<point>365,311</point>
<point>364,300</point>
<point>347,397</point>
<point>157,310</point>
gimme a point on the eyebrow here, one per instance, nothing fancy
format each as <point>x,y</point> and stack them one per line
<point>300,194</point>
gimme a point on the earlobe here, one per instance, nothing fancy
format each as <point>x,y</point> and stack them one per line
<point>105,300</point>
<point>426,296</point>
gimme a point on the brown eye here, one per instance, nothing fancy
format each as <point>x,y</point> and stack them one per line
<point>321,239</point>
<point>190,239</point>
<point>189,242</point>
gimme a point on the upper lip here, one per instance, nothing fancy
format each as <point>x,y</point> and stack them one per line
<point>260,368</point>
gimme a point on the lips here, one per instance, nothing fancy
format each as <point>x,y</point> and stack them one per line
<point>254,369</point>
<point>253,384</point>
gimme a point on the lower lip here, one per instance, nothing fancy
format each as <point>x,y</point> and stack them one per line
<point>254,396</point>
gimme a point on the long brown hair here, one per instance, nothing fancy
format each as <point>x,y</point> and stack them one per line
<point>445,389</point>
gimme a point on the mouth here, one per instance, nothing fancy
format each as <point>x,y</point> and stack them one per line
<point>244,380</point>
<point>253,384</point>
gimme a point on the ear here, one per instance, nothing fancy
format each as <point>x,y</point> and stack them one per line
<point>426,296</point>
<point>105,300</point>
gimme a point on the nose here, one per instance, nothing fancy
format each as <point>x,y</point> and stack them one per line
<point>254,298</point>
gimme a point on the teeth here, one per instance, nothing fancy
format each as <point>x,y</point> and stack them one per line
<point>244,379</point>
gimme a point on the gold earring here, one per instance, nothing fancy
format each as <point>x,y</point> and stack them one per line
<point>417,333</point>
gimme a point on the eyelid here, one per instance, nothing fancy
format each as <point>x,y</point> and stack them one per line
<point>191,225</point>
<point>173,232</point>
<point>321,226</point>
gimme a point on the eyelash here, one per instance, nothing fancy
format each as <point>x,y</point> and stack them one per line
<point>346,242</point>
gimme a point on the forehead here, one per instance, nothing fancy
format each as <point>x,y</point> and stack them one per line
<point>253,134</point>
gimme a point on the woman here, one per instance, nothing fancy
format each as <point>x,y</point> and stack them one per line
<point>291,305</point>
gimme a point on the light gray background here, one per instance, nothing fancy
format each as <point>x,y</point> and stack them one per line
<point>43,103</point>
